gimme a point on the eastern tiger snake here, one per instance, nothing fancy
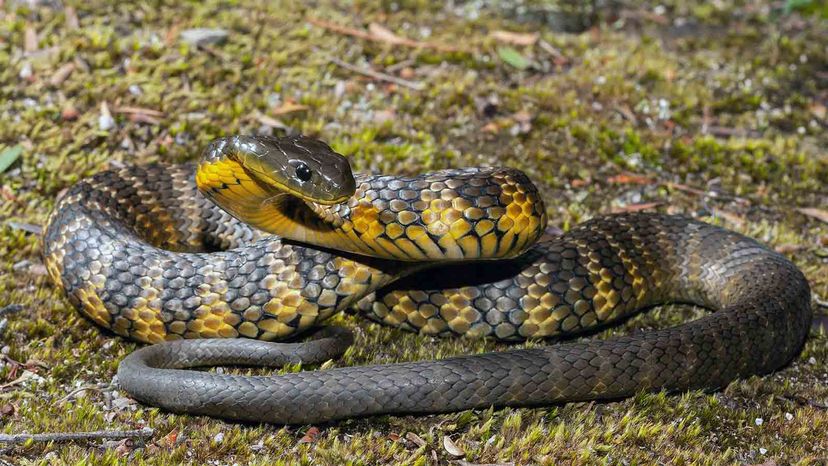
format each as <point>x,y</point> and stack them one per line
<point>141,251</point>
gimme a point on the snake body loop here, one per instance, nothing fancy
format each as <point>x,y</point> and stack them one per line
<point>140,251</point>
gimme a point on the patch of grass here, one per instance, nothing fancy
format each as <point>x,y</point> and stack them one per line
<point>724,97</point>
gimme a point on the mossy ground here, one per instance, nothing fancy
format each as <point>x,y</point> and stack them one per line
<point>718,109</point>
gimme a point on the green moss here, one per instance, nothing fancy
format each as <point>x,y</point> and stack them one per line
<point>730,101</point>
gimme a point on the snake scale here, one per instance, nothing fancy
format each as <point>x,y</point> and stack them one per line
<point>146,252</point>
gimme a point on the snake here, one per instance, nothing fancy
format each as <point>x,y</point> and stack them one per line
<point>229,260</point>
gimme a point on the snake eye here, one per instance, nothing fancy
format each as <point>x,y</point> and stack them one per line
<point>303,172</point>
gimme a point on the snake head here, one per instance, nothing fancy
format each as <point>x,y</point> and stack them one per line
<point>297,165</point>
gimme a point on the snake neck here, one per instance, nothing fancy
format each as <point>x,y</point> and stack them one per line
<point>447,215</point>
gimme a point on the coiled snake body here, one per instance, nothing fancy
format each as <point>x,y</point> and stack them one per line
<point>141,251</point>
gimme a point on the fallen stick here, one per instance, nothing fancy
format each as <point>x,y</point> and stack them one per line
<point>362,34</point>
<point>418,86</point>
<point>146,432</point>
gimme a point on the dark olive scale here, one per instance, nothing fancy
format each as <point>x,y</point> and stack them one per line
<point>122,246</point>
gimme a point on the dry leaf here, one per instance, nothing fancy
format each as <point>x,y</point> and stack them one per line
<point>143,118</point>
<point>69,113</point>
<point>124,447</point>
<point>516,38</point>
<point>61,74</point>
<point>393,437</point>
<point>491,127</point>
<point>289,107</point>
<point>8,194</point>
<point>170,438</point>
<point>7,409</point>
<point>630,178</point>
<point>452,447</point>
<point>415,439</point>
<point>730,217</point>
<point>310,435</point>
<point>271,122</point>
<point>819,214</point>
<point>384,34</point>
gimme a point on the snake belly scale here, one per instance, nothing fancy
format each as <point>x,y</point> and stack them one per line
<point>146,252</point>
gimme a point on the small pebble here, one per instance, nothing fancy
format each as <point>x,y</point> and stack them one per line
<point>26,71</point>
<point>22,265</point>
<point>105,120</point>
<point>257,446</point>
<point>759,421</point>
<point>788,416</point>
<point>219,437</point>
<point>762,451</point>
<point>812,360</point>
<point>204,36</point>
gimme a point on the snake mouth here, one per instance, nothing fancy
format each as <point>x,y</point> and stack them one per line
<point>278,189</point>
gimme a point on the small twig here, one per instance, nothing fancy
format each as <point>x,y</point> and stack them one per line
<point>146,432</point>
<point>362,34</point>
<point>703,193</point>
<point>214,52</point>
<point>819,301</point>
<point>27,375</point>
<point>466,463</point>
<point>635,207</point>
<point>400,65</point>
<point>724,131</point>
<point>85,388</point>
<point>11,309</point>
<point>418,86</point>
<point>801,400</point>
